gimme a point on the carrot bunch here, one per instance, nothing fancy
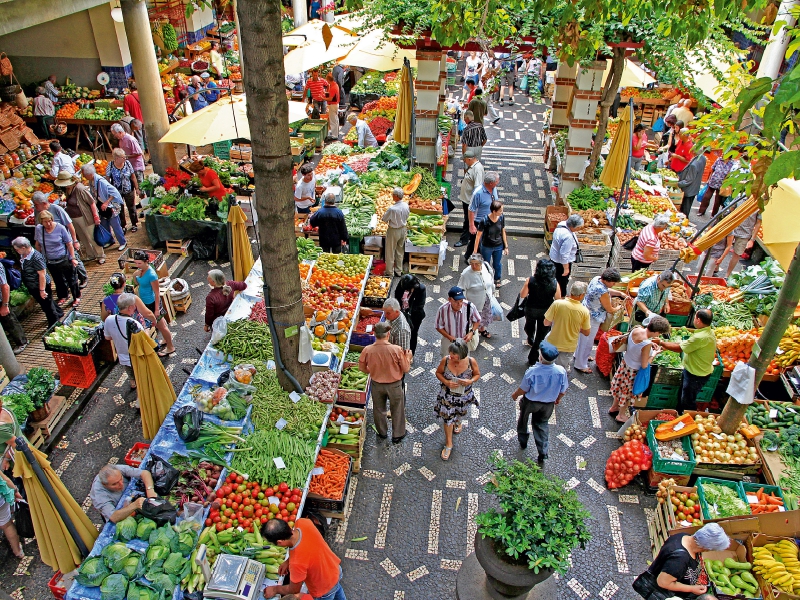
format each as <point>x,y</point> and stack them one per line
<point>333,480</point>
<point>766,503</point>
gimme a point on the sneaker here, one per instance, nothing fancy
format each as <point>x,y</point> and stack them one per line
<point>122,247</point>
<point>20,349</point>
<point>498,283</point>
<point>541,458</point>
<point>134,229</point>
<point>511,101</point>
<point>502,103</point>
<point>495,121</point>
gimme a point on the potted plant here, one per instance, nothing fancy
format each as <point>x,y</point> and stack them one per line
<point>534,530</point>
<point>40,387</point>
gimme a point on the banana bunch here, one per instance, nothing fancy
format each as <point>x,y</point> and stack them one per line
<point>790,344</point>
<point>778,564</point>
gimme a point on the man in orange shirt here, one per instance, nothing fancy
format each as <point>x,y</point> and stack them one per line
<point>683,152</point>
<point>310,561</point>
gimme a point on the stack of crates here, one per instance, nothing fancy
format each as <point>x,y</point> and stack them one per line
<point>665,395</point>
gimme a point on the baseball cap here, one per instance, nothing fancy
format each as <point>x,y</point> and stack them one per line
<point>205,75</point>
<point>456,293</point>
<point>549,352</point>
<point>470,153</point>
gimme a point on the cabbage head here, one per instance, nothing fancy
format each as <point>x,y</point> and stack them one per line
<point>113,553</point>
<point>164,583</point>
<point>162,536</point>
<point>92,572</point>
<point>153,571</point>
<point>126,529</point>
<point>140,592</point>
<point>114,587</point>
<point>174,564</point>
<point>183,543</point>
<point>145,527</point>
<point>131,566</point>
<point>156,555</point>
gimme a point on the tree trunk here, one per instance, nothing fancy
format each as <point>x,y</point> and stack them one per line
<point>609,93</point>
<point>764,350</point>
<point>268,115</point>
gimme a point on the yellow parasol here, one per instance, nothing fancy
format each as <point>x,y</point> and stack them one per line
<point>242,254</point>
<point>315,43</point>
<point>402,120</point>
<point>632,76</point>
<point>156,394</point>
<point>56,546</point>
<point>781,234</point>
<point>374,51</point>
<point>617,160</point>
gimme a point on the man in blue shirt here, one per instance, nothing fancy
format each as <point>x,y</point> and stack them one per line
<point>542,387</point>
<point>197,99</point>
<point>209,83</point>
<point>480,207</point>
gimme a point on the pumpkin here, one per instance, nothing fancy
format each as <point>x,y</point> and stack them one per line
<point>319,331</point>
<point>413,184</point>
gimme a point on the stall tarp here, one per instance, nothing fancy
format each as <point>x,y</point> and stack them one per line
<point>161,228</point>
<point>632,76</point>
<point>153,387</point>
<point>703,77</point>
<point>780,232</point>
<point>318,43</point>
<point>617,161</point>
<point>240,244</point>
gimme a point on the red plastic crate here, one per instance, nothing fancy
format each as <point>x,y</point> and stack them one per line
<point>59,592</point>
<point>76,371</point>
<point>131,462</point>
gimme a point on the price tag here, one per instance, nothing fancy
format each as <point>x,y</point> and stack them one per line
<point>676,456</point>
<point>678,426</point>
<point>773,413</point>
<point>595,221</point>
<point>340,419</point>
<point>40,166</point>
<point>369,329</point>
<point>383,284</point>
<point>295,397</point>
<point>752,499</point>
<point>274,500</point>
<point>340,300</point>
<point>686,523</point>
<point>340,263</point>
<point>279,464</point>
<point>317,471</point>
<point>280,424</point>
<point>778,351</point>
<point>344,429</point>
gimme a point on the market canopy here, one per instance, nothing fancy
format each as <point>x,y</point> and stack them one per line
<point>374,51</point>
<point>318,43</point>
<point>702,76</point>
<point>780,233</point>
<point>632,76</point>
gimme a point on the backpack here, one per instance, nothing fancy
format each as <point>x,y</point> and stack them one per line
<point>13,276</point>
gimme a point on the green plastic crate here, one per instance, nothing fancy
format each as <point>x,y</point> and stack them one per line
<point>669,465</point>
<point>622,327</point>
<point>768,489</point>
<point>663,396</point>
<point>354,244</point>
<point>677,320</point>
<point>318,135</point>
<point>734,485</point>
<point>451,81</point>
<point>223,149</point>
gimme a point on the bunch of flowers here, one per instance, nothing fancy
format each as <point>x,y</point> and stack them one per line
<point>176,178</point>
<point>160,191</point>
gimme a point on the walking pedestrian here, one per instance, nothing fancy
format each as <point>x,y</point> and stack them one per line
<point>539,292</point>
<point>36,280</point>
<point>55,244</point>
<point>109,204</point>
<point>564,249</point>
<point>472,180</point>
<point>691,178</point>
<point>132,149</point>
<point>396,216</point>
<point>637,356</point>
<point>598,301</point>
<point>82,210</point>
<point>41,202</point>
<point>474,135</point>
<point>411,293</point>
<point>400,333</point>
<point>541,389</point>
<point>719,171</point>
<point>386,364</point>
<point>14,331</point>
<point>472,68</point>
<point>122,176</point>
<point>508,73</point>
<point>332,227</point>
<point>146,279</point>
<point>477,106</point>
<point>491,239</point>
<point>457,371</point>
<point>744,238</point>
<point>119,327</point>
<point>647,247</point>
<point>478,285</point>
<point>480,206</point>
<point>458,319</point>
<point>567,319</point>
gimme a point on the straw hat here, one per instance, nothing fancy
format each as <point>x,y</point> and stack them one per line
<point>64,179</point>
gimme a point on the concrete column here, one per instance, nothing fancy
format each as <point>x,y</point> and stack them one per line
<point>148,81</point>
<point>775,51</point>
<point>300,12</point>
<point>7,357</point>
<point>582,119</point>
<point>562,92</point>
<point>430,88</point>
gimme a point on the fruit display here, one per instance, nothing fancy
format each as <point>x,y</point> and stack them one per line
<point>712,446</point>
<point>381,106</point>
<point>71,91</point>
<point>342,415</point>
<point>374,82</point>
<point>329,162</point>
<point>635,432</point>
<point>732,577</point>
<point>347,264</point>
<point>67,111</point>
<point>734,348</point>
<point>778,564</point>
<point>625,463</point>
<point>788,352</point>
<point>686,506</point>
<point>377,287</point>
<point>380,125</point>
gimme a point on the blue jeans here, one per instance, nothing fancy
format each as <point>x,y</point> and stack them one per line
<point>494,256</point>
<point>337,593</point>
<point>113,224</point>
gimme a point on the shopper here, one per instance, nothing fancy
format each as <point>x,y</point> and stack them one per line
<point>637,356</point>
<point>668,144</point>
<point>108,486</point>
<point>457,319</point>
<point>717,254</point>
<point>719,171</point>
<point>473,179</point>
<point>366,139</point>
<point>508,74</point>
<point>55,244</point>
<point>639,147</point>
<point>564,249</point>
<point>220,297</point>
<point>44,110</point>
<point>146,279</point>
<point>133,151</point>
<point>14,331</point>
<point>678,566</point>
<point>541,389</point>
<point>491,239</point>
<point>36,280</point>
<point>744,238</point>
<point>217,64</point>
<point>310,561</point>
<point>41,202</point>
<point>477,106</point>
<point>400,333</point>
<point>196,96</point>
<point>480,206</point>
<point>478,284</point>
<point>184,107</point>
<point>212,93</point>
<point>567,319</point>
<point>396,217</point>
<point>305,195</point>
<point>131,104</point>
<point>333,99</point>
<point>598,301</point>
<point>682,154</point>
<point>50,89</point>
<point>9,494</point>
<point>691,178</point>
<point>109,204</point>
<point>109,304</point>
<point>81,209</point>
<point>386,364</point>
<point>653,296</point>
<point>210,183</point>
<point>474,135</point>
<point>538,292</point>
<point>411,294</point>
<point>457,371</point>
<point>332,228</point>
<point>61,162</point>
<point>647,247</point>
<point>122,176</point>
<point>472,68</point>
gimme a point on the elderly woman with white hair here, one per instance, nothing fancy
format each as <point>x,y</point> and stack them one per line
<point>121,175</point>
<point>477,281</point>
<point>119,327</point>
<point>332,227</point>
<point>648,245</point>
<point>677,570</point>
<point>564,249</point>
<point>55,243</point>
<point>35,278</point>
<point>133,150</point>
<point>221,296</point>
<point>109,204</point>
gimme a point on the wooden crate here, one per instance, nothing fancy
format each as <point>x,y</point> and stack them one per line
<point>425,264</point>
<point>179,246</point>
<point>183,304</point>
<point>36,439</point>
<point>58,406</point>
<point>373,250</point>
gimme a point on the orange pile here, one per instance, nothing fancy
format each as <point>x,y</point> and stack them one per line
<point>100,166</point>
<point>45,187</point>
<point>736,348</point>
<point>386,102</point>
<point>67,111</point>
<point>304,268</point>
<point>328,279</point>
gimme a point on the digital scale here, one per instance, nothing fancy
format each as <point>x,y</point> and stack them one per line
<point>233,578</point>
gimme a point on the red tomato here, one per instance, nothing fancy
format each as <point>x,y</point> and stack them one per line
<point>258,513</point>
<point>235,506</point>
<point>249,484</point>
<point>283,487</point>
<point>239,479</point>
<point>246,493</point>
<point>228,512</point>
<point>209,522</point>
<point>270,516</point>
<point>282,505</point>
<point>269,492</point>
<point>228,502</point>
<point>297,492</point>
<point>228,525</point>
<point>264,519</point>
<point>284,513</point>
<point>220,526</point>
<point>231,477</point>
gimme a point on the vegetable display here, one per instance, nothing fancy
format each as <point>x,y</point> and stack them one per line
<point>428,188</point>
<point>588,198</point>
<point>257,453</point>
<point>732,577</point>
<point>196,482</point>
<point>331,482</point>
<point>763,502</point>
<point>353,379</point>
<point>20,404</point>
<point>625,463</point>
<point>722,501</point>
<point>307,249</point>
<point>271,403</point>
<point>73,336</point>
<point>247,341</point>
<point>712,446</point>
<point>323,386</point>
<point>245,543</point>
<point>40,385</point>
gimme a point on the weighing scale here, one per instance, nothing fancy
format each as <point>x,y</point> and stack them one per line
<point>233,578</point>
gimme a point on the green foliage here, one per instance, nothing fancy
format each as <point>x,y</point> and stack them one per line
<point>40,385</point>
<point>539,521</point>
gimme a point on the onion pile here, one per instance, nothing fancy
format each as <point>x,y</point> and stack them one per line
<point>634,432</point>
<point>323,386</point>
<point>713,446</point>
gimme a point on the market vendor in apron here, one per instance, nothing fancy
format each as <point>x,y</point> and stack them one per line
<point>209,181</point>
<point>653,296</point>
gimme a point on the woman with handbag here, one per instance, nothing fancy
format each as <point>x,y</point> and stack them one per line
<point>635,359</point>
<point>677,571</point>
<point>9,494</point>
<point>35,278</point>
<point>539,292</point>
<point>411,294</point>
<point>122,176</point>
<point>83,212</point>
<point>109,204</point>
<point>457,372</point>
<point>598,301</point>
<point>477,281</point>
<point>55,243</point>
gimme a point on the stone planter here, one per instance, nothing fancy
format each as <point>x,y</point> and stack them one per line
<point>509,580</point>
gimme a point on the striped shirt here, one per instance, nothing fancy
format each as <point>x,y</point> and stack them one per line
<point>652,297</point>
<point>474,135</point>
<point>318,89</point>
<point>455,323</point>
<point>647,237</point>
<point>400,333</point>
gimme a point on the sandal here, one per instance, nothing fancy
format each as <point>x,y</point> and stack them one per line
<point>165,353</point>
<point>134,229</point>
<point>486,334</point>
<point>457,428</point>
<point>446,452</point>
<point>76,302</point>
<point>585,372</point>
<point>101,261</point>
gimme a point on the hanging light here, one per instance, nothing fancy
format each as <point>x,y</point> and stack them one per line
<point>116,14</point>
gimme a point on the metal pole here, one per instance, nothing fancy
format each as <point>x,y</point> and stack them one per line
<point>22,446</point>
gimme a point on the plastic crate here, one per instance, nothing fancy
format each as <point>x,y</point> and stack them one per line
<point>327,506</point>
<point>669,465</point>
<point>59,591</point>
<point>663,396</point>
<point>222,149</point>
<point>734,485</point>
<point>666,376</point>
<point>129,460</point>
<point>768,489</point>
<point>74,370</point>
<point>355,398</point>
<point>451,81</point>
<point>677,320</point>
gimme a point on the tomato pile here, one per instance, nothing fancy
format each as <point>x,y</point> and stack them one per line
<point>380,125</point>
<point>626,462</point>
<point>245,504</point>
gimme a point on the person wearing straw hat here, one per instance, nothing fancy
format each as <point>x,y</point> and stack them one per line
<point>83,212</point>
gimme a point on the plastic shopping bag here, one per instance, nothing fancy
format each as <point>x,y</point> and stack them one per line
<point>742,386</point>
<point>497,310</point>
<point>641,381</point>
<point>218,329</point>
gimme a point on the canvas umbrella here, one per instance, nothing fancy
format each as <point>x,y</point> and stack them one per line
<point>315,43</point>
<point>156,394</point>
<point>780,232</point>
<point>617,160</point>
<point>241,254</point>
<point>374,51</point>
<point>632,76</point>
<point>402,120</point>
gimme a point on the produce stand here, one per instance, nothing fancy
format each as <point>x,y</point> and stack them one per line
<point>160,229</point>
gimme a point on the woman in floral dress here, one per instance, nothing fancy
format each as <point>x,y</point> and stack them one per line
<point>457,372</point>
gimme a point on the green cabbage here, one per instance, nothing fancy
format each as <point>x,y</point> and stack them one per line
<point>141,592</point>
<point>162,536</point>
<point>145,527</point>
<point>131,566</point>
<point>183,543</point>
<point>156,554</point>
<point>113,553</point>
<point>114,587</point>
<point>92,572</point>
<point>126,529</point>
<point>164,583</point>
<point>174,564</point>
<point>153,571</point>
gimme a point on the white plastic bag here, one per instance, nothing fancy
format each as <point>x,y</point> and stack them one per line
<point>304,351</point>
<point>742,387</point>
<point>218,330</point>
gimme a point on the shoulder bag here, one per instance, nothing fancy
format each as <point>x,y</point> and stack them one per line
<point>518,310</point>
<point>54,264</point>
<point>645,585</point>
<point>472,344</point>
<point>578,253</point>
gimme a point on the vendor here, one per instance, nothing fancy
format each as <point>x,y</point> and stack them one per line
<point>44,110</point>
<point>221,296</point>
<point>648,245</point>
<point>683,152</point>
<point>365,136</point>
<point>61,162</point>
<point>305,195</point>
<point>209,181</point>
<point>677,569</point>
<point>108,486</point>
<point>50,89</point>
<point>332,228</point>
<point>653,296</point>
<point>699,352</point>
<point>215,58</point>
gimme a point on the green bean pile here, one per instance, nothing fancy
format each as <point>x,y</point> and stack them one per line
<point>264,445</point>
<point>247,341</point>
<point>271,403</point>
<point>429,188</point>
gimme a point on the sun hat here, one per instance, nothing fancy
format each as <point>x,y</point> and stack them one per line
<point>549,352</point>
<point>456,293</point>
<point>65,179</point>
<point>205,75</point>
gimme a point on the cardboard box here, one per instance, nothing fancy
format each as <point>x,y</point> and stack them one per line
<point>738,552</point>
<point>769,592</point>
<point>654,478</point>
